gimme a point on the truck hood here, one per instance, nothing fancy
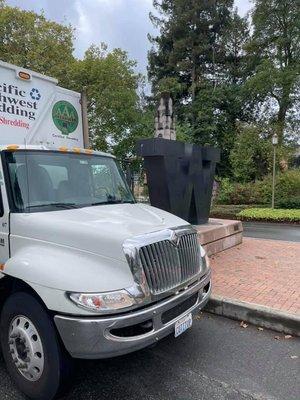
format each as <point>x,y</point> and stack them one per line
<point>98,229</point>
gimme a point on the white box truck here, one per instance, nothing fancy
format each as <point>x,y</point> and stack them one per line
<point>86,272</point>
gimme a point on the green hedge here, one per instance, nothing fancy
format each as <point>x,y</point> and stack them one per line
<point>260,192</point>
<point>230,211</point>
<point>291,203</point>
<point>269,214</point>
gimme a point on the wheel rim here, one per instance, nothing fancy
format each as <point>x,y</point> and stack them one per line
<point>26,348</point>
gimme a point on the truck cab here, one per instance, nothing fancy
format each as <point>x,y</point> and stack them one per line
<point>86,271</point>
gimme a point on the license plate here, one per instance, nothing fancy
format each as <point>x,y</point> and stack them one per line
<point>183,324</point>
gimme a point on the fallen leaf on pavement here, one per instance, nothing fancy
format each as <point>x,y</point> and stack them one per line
<point>293,357</point>
<point>277,337</point>
<point>260,328</point>
<point>288,336</point>
<point>243,324</point>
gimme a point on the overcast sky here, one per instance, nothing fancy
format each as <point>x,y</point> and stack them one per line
<point>119,23</point>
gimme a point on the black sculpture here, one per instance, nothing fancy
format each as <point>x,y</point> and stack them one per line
<point>180,177</point>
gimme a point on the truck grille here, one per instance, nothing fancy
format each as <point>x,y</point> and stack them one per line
<point>168,265</point>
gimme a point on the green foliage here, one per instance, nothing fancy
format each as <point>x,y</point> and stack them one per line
<point>113,103</point>
<point>292,202</point>
<point>31,41</point>
<point>260,192</point>
<point>274,53</point>
<point>213,118</point>
<point>245,193</point>
<point>222,76</point>
<point>250,155</point>
<point>226,189</point>
<point>227,211</point>
<point>116,115</point>
<point>287,185</point>
<point>199,57</point>
<point>188,48</point>
<point>268,214</point>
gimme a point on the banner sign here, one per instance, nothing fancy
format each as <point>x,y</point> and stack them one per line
<point>34,110</point>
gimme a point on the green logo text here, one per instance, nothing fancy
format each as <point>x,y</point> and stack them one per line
<point>65,117</point>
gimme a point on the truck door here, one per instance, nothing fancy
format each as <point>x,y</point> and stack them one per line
<point>4,221</point>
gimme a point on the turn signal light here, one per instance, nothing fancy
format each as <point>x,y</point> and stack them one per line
<point>63,149</point>
<point>12,147</point>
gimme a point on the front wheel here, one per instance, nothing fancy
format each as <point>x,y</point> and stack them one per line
<point>31,350</point>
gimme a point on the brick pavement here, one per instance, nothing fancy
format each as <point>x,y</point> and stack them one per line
<point>265,272</point>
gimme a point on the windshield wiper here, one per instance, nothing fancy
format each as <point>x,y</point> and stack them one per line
<point>59,205</point>
<point>112,201</point>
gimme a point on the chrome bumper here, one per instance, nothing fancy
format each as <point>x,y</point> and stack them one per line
<point>92,338</point>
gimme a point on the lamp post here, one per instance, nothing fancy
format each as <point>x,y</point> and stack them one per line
<point>211,27</point>
<point>274,142</point>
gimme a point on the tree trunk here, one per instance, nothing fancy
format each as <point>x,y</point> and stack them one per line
<point>281,117</point>
<point>193,76</point>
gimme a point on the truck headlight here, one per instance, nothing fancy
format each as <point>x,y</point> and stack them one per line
<point>109,301</point>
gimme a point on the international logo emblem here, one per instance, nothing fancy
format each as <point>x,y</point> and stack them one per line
<point>65,117</point>
<point>175,239</point>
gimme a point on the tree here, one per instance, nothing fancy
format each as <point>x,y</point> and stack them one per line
<point>188,49</point>
<point>199,57</point>
<point>115,112</point>
<point>111,85</point>
<point>31,41</point>
<point>275,61</point>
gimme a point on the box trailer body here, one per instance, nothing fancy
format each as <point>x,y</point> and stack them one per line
<point>34,110</point>
<point>85,271</point>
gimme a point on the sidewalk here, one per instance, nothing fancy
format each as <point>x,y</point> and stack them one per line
<point>260,272</point>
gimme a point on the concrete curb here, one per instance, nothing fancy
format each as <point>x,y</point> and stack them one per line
<point>255,314</point>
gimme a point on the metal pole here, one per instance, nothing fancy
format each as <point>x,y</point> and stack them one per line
<point>274,170</point>
<point>85,124</point>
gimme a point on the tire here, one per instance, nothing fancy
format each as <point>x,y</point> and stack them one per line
<point>34,358</point>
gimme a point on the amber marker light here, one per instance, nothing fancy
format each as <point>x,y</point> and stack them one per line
<point>89,151</point>
<point>63,149</point>
<point>24,75</point>
<point>76,150</point>
<point>12,147</point>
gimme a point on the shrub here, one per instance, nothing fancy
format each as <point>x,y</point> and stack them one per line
<point>225,190</point>
<point>288,185</point>
<point>269,214</point>
<point>228,211</point>
<point>293,203</point>
<point>260,192</point>
<point>250,154</point>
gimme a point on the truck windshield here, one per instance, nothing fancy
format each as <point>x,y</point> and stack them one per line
<point>49,180</point>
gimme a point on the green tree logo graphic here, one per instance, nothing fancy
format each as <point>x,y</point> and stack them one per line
<point>65,117</point>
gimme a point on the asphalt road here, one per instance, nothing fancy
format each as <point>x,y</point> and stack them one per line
<point>215,360</point>
<point>262,230</point>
